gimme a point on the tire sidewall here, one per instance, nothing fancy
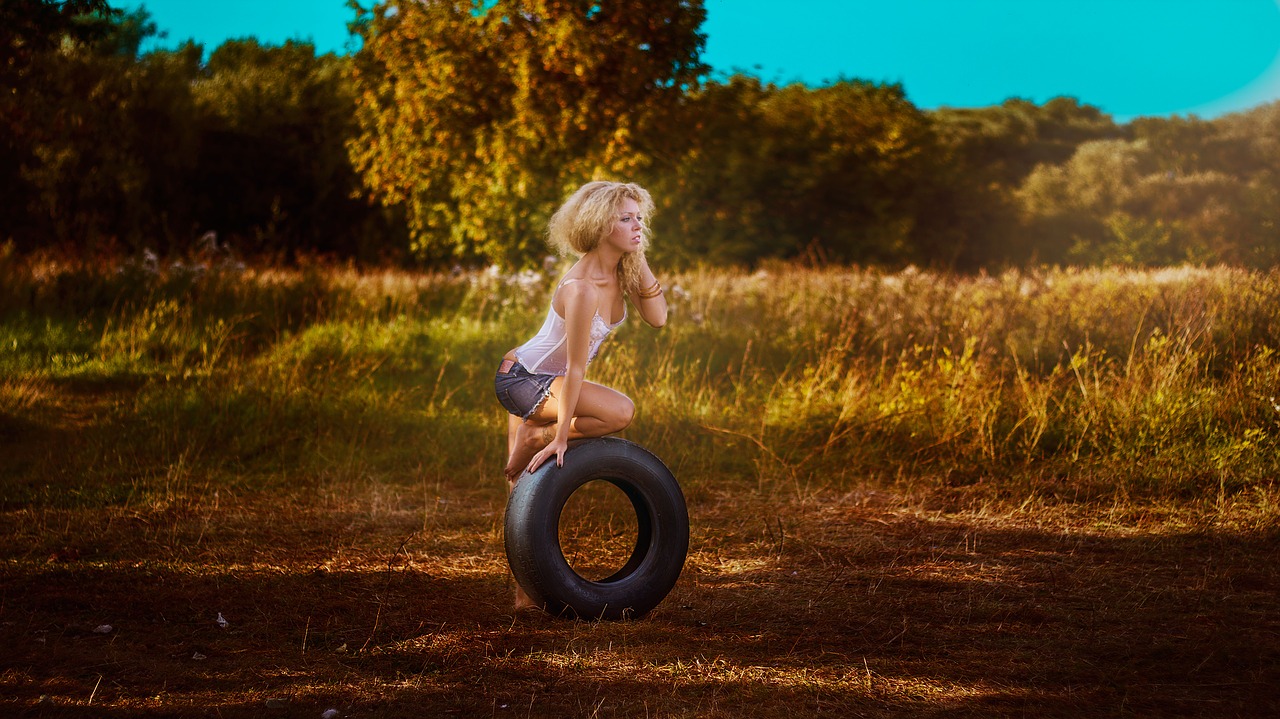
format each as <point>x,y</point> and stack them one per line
<point>532,531</point>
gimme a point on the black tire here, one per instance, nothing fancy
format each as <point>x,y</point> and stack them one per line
<point>532,531</point>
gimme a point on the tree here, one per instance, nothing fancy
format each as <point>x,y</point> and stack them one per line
<point>274,174</point>
<point>987,153</point>
<point>31,27</point>
<point>834,174</point>
<point>127,151</point>
<point>1066,206</point>
<point>105,138</point>
<point>31,34</point>
<point>478,117</point>
<point>1183,190</point>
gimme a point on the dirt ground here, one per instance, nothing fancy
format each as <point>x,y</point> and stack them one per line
<point>860,604</point>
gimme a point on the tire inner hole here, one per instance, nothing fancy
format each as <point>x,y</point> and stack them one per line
<point>598,529</point>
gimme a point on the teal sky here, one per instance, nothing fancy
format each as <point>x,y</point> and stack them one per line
<point>1129,57</point>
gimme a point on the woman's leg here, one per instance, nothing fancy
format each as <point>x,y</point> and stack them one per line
<point>522,600</point>
<point>601,410</point>
<point>513,424</point>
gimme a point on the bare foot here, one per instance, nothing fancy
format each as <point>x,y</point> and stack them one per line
<point>529,439</point>
<point>524,602</point>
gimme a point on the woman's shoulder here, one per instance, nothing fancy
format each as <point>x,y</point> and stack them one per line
<point>577,280</point>
<point>579,289</point>
<point>576,293</point>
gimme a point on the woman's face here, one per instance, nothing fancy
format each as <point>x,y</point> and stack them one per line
<point>628,227</point>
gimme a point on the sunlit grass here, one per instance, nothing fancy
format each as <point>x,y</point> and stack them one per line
<point>1067,384</point>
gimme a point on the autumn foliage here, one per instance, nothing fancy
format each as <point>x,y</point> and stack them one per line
<point>453,129</point>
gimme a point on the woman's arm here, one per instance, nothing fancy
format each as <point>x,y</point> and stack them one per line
<point>580,301</point>
<point>650,300</point>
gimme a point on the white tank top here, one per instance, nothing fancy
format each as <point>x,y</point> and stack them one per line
<point>546,352</point>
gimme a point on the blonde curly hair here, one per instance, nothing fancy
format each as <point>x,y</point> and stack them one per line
<point>587,217</point>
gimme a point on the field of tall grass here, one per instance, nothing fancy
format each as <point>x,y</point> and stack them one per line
<point>1060,385</point>
<point>197,423</point>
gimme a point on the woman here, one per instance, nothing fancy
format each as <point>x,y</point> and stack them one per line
<point>542,382</point>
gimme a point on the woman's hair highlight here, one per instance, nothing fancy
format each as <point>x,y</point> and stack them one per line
<point>587,217</point>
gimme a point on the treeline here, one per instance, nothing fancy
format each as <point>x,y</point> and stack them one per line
<point>106,149</point>
<point>455,130</point>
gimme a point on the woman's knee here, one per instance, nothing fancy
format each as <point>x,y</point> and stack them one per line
<point>623,414</point>
<point>610,410</point>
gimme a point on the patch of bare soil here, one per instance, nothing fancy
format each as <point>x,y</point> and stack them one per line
<point>855,605</point>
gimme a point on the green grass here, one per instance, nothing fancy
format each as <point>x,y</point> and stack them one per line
<point>1099,383</point>
<point>1051,474</point>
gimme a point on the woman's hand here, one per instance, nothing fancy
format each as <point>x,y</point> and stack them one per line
<point>557,449</point>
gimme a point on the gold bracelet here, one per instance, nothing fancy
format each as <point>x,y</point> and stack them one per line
<point>651,292</point>
<point>646,290</point>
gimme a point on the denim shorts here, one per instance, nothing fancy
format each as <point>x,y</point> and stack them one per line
<point>520,391</point>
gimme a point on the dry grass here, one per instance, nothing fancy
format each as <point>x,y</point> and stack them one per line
<point>865,603</point>
<point>920,507</point>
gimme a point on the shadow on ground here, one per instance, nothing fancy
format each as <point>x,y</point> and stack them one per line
<point>851,611</point>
